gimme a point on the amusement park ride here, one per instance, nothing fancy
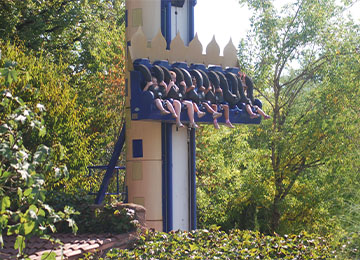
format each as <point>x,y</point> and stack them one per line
<point>160,157</point>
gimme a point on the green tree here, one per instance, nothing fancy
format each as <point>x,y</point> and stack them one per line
<point>70,55</point>
<point>232,183</point>
<point>62,28</point>
<point>40,81</point>
<point>89,37</point>
<point>304,61</point>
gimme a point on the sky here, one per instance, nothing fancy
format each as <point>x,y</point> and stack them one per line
<point>227,19</point>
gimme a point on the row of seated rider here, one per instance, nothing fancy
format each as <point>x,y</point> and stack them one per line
<point>205,100</point>
<point>210,104</point>
<point>164,100</point>
<point>190,96</point>
<point>213,96</point>
<point>242,98</point>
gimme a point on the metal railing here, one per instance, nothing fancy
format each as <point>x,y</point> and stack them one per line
<point>120,187</point>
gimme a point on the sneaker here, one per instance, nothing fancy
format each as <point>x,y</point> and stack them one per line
<point>193,125</point>
<point>164,112</point>
<point>253,116</point>
<point>201,114</point>
<point>216,115</point>
<point>267,117</point>
<point>229,124</point>
<point>179,124</point>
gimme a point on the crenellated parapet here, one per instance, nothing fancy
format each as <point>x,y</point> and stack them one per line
<point>155,49</point>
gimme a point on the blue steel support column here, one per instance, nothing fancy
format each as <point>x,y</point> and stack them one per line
<point>169,176</point>
<point>166,21</point>
<point>192,3</point>
<point>163,15</point>
<point>167,200</point>
<point>164,171</point>
<point>111,166</point>
<point>192,180</point>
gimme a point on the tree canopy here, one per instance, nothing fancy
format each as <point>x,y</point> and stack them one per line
<point>86,87</point>
<point>62,70</point>
<point>304,60</point>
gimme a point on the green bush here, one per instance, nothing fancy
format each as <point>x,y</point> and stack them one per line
<point>23,211</point>
<point>216,244</point>
<point>92,219</point>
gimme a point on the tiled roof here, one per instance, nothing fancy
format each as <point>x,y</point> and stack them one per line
<point>74,246</point>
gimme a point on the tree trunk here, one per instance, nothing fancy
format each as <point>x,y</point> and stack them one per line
<point>275,215</point>
<point>275,211</point>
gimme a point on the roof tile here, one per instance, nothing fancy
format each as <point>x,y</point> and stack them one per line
<point>73,246</point>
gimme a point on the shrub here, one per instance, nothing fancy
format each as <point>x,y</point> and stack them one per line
<point>92,219</point>
<point>216,244</point>
<point>23,211</point>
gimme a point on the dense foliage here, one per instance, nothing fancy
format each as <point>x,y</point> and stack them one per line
<point>215,244</point>
<point>74,64</point>
<point>93,219</point>
<point>299,170</point>
<point>23,210</point>
<point>63,62</point>
<point>232,187</point>
<point>79,32</point>
<point>302,59</point>
<point>88,36</point>
<point>38,80</point>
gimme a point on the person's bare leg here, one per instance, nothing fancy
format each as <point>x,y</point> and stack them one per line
<point>261,112</point>
<point>227,118</point>
<point>197,110</point>
<point>226,111</point>
<point>177,107</point>
<point>250,112</point>
<point>171,108</point>
<point>190,111</point>
<point>214,107</point>
<point>215,114</point>
<point>159,105</point>
<point>216,125</point>
<point>209,108</point>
